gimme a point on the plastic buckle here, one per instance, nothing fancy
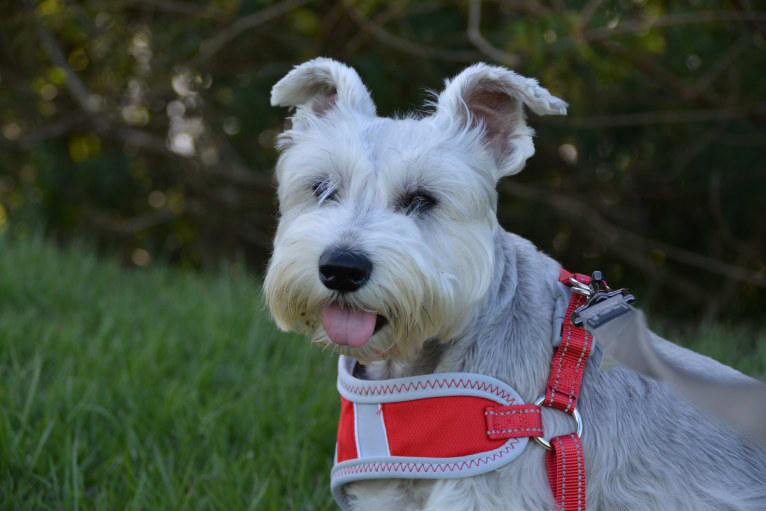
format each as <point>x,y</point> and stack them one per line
<point>598,292</point>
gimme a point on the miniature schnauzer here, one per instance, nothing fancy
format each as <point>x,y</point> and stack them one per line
<point>389,251</point>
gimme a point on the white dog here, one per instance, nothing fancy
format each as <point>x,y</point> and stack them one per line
<point>388,250</point>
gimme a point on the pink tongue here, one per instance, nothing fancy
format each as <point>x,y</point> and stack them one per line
<point>348,327</point>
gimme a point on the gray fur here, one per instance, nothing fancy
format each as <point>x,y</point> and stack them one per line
<point>645,448</point>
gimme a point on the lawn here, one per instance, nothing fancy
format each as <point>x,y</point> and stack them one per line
<point>171,389</point>
<point>156,389</point>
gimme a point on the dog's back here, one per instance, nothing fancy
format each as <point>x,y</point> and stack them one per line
<point>651,449</point>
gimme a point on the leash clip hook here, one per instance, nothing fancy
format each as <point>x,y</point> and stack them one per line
<point>597,291</point>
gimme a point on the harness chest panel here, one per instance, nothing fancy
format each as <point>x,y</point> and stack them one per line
<point>455,425</point>
<point>423,427</point>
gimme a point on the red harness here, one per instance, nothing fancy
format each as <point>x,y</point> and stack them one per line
<point>450,425</point>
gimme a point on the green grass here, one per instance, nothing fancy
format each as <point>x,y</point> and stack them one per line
<point>158,389</point>
<point>167,389</point>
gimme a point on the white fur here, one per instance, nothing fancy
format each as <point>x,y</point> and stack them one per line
<point>316,85</point>
<point>460,294</point>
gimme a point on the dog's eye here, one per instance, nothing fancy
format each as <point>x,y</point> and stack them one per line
<point>323,190</point>
<point>418,202</point>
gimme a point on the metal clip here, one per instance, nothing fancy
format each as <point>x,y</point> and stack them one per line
<point>579,288</point>
<point>597,292</point>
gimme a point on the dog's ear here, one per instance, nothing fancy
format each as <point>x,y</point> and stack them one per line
<point>494,98</point>
<point>316,86</point>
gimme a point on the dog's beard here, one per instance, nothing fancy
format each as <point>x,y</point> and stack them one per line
<point>431,290</point>
<point>414,307</point>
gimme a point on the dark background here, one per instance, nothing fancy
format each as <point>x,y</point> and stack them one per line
<point>144,126</point>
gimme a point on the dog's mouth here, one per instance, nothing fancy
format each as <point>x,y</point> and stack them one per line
<point>380,322</point>
<point>350,327</point>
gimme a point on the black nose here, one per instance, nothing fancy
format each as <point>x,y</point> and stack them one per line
<point>344,270</point>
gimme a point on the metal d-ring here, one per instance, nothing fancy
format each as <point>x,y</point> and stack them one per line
<point>578,421</point>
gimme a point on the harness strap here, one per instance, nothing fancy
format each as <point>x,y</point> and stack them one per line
<point>565,461</point>
<point>566,472</point>
<point>568,363</point>
<point>513,421</point>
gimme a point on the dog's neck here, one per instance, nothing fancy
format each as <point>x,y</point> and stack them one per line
<point>517,352</point>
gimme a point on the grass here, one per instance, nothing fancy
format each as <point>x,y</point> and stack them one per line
<point>158,389</point>
<point>167,389</point>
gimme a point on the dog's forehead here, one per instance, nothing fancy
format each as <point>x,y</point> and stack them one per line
<point>401,133</point>
<point>405,137</point>
<point>409,147</point>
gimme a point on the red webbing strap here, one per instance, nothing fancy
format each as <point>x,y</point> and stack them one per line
<point>566,472</point>
<point>565,462</point>
<point>569,360</point>
<point>513,421</point>
<point>564,277</point>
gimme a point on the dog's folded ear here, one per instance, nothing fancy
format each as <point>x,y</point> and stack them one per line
<point>316,86</point>
<point>494,98</point>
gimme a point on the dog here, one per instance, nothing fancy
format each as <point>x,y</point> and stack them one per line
<point>388,250</point>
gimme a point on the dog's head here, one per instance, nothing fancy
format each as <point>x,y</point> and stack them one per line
<point>386,232</point>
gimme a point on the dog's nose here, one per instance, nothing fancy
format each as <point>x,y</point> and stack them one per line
<point>344,270</point>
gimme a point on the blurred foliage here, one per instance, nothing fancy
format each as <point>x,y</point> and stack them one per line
<point>145,125</point>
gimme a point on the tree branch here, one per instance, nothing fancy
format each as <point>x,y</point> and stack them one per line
<point>668,117</point>
<point>49,131</point>
<point>529,6</point>
<point>138,138</point>
<point>75,86</point>
<point>612,235</point>
<point>394,12</point>
<point>687,18</point>
<point>406,46</point>
<point>185,8</point>
<point>587,12</point>
<point>723,62</point>
<point>474,35</point>
<point>654,70</point>
<point>213,45</point>
<point>129,225</point>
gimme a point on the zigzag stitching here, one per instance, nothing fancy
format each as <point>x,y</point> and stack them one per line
<point>427,385</point>
<point>402,466</point>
